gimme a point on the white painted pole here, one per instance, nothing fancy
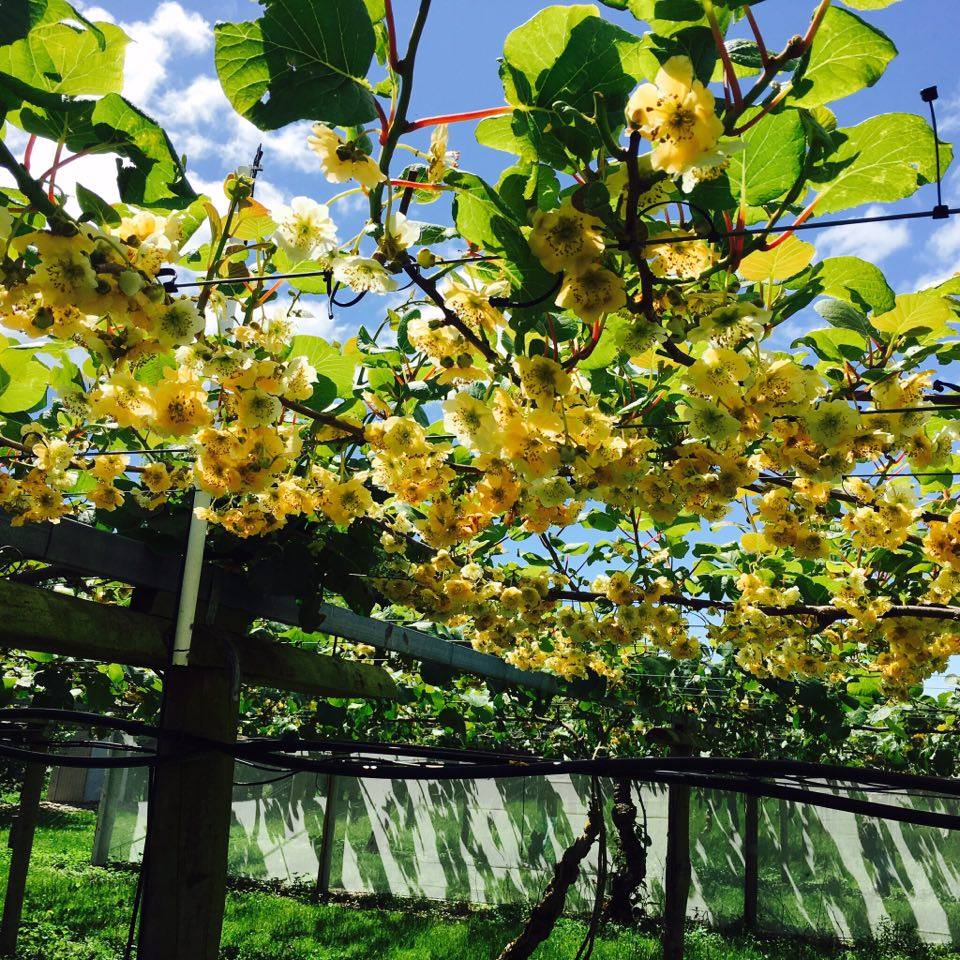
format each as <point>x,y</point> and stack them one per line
<point>190,585</point>
<point>193,561</point>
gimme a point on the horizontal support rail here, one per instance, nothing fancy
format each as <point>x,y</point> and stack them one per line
<point>92,552</point>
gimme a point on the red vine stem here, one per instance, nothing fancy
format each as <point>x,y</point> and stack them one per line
<point>59,164</point>
<point>414,185</point>
<point>728,70</point>
<point>767,108</point>
<point>457,117</point>
<point>761,46</point>
<point>803,218</point>
<point>53,172</point>
<point>393,55</point>
<point>28,153</point>
<point>818,16</point>
<point>384,122</point>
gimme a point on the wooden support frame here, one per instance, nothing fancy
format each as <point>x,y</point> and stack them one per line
<point>93,552</point>
<point>36,619</point>
<point>751,861</point>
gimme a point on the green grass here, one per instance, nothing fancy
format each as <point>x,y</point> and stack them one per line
<point>77,912</point>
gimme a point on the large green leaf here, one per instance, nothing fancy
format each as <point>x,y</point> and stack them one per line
<point>847,55</point>
<point>558,60</point>
<point>483,218</point>
<point>27,383</point>
<point>870,4</point>
<point>883,159</point>
<point>329,361</point>
<point>856,281</point>
<point>58,58</point>
<point>21,16</point>
<point>303,60</point>
<point>113,125</point>
<point>771,160</point>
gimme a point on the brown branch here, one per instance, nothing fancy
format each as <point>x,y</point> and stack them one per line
<point>824,613</point>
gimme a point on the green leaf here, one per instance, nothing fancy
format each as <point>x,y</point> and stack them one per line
<point>58,58</point>
<point>883,159</point>
<point>847,55</point>
<point>21,16</point>
<point>838,313</point>
<point>112,124</point>
<point>96,207</point>
<point>563,55</point>
<point>329,361</point>
<point>27,383</point>
<point>915,312</point>
<point>780,263</point>
<point>870,4</point>
<point>855,280</point>
<point>303,60</point>
<point>836,344</point>
<point>483,218</point>
<point>771,160</point>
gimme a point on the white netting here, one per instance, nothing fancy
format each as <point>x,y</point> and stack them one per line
<point>496,841</point>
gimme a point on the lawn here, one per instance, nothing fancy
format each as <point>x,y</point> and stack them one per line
<point>77,912</point>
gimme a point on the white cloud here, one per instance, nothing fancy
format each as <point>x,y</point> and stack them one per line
<point>172,31</point>
<point>942,255</point>
<point>870,241</point>
<point>210,121</point>
<point>318,323</point>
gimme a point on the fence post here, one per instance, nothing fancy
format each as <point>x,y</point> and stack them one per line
<point>22,831</point>
<point>677,874</point>
<point>188,823</point>
<point>750,862</point>
<point>322,888</point>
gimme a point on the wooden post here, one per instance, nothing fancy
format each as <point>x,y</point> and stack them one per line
<point>677,873</point>
<point>21,847</point>
<point>750,862</point>
<point>185,858</point>
<point>784,818</point>
<point>326,839</point>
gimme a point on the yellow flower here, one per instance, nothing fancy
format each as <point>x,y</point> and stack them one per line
<point>542,379</point>
<point>363,274</point>
<point>177,323</point>
<point>180,403</point>
<point>105,496</point>
<point>707,420</point>
<point>565,239</point>
<point>64,274</point>
<point>832,424</point>
<point>342,161</point>
<point>257,408</point>
<point>123,399</point>
<point>676,113</point>
<point>681,259</point>
<point>53,455</point>
<point>342,502</point>
<point>471,421</point>
<point>592,293</point>
<point>106,468</point>
<point>473,306</point>
<point>156,478</point>
<point>719,373</point>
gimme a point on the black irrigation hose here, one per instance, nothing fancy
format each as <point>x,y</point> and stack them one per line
<point>740,775</point>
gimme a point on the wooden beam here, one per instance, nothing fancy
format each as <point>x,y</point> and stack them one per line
<point>50,622</point>
<point>96,552</point>
<point>36,619</point>
<point>22,831</point>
